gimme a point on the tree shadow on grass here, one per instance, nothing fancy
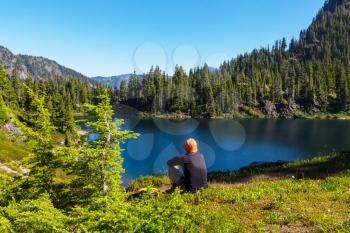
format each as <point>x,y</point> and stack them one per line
<point>315,168</point>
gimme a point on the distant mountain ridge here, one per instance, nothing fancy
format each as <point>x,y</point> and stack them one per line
<point>114,81</point>
<point>36,67</point>
<point>41,67</point>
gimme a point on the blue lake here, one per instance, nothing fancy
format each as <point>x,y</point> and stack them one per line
<point>229,144</point>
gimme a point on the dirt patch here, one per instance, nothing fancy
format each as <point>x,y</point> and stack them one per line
<point>291,229</point>
<point>9,170</point>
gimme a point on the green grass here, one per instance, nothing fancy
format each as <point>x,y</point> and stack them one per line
<point>297,205</point>
<point>148,181</point>
<point>307,204</point>
<point>11,150</point>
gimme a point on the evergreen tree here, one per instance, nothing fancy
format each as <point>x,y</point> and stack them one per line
<point>39,134</point>
<point>3,111</point>
<point>96,166</point>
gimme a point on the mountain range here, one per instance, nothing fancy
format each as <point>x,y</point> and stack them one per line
<point>41,67</point>
<point>114,80</point>
<point>37,67</point>
<point>117,79</point>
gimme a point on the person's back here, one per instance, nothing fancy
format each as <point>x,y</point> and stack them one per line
<point>195,172</point>
<point>194,169</point>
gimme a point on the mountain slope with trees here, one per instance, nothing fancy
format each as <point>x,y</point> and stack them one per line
<point>311,74</point>
<point>62,97</point>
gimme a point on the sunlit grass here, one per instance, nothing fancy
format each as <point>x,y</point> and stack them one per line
<point>282,205</point>
<point>11,150</point>
<point>302,205</point>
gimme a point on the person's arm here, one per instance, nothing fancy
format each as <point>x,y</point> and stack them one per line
<point>176,161</point>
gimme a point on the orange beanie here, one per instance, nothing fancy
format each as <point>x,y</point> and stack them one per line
<point>190,146</point>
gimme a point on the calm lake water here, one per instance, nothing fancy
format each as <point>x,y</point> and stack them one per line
<point>230,144</point>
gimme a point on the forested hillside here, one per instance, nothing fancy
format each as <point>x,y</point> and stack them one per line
<point>310,74</point>
<point>62,96</point>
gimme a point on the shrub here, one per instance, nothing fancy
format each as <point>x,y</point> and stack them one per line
<point>33,216</point>
<point>166,213</point>
<point>115,217</point>
<point>5,225</point>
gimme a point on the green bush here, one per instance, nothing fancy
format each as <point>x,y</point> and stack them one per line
<point>115,217</point>
<point>165,213</point>
<point>5,225</point>
<point>33,216</point>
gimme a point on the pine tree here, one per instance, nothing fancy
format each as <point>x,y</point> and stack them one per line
<point>40,163</point>
<point>3,111</point>
<point>8,93</point>
<point>69,126</point>
<point>97,166</point>
<point>123,91</point>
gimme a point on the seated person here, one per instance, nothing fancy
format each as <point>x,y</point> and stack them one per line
<point>188,171</point>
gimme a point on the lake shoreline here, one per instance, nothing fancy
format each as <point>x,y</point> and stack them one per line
<point>317,167</point>
<point>299,115</point>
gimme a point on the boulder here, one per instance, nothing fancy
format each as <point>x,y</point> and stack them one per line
<point>270,109</point>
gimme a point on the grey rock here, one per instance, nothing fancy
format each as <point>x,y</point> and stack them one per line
<point>270,109</point>
<point>12,128</point>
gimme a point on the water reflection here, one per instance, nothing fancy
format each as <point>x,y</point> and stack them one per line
<point>230,135</point>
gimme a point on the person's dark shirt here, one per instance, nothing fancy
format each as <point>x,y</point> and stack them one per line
<point>195,170</point>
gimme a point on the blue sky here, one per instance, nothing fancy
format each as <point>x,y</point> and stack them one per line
<point>109,37</point>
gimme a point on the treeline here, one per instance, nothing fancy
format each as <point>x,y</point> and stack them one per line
<point>310,74</point>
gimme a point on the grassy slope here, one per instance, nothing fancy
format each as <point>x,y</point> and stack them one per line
<point>11,151</point>
<point>289,205</point>
<point>317,201</point>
